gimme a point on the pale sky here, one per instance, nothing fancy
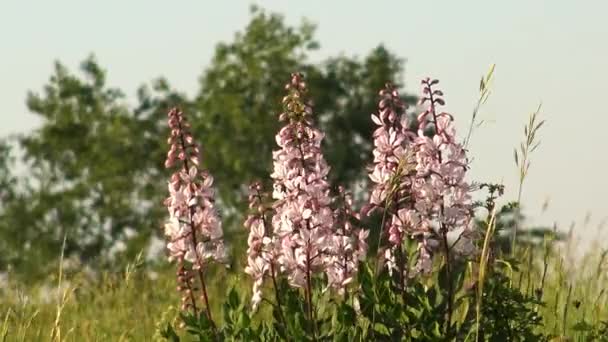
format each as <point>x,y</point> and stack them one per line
<point>553,51</point>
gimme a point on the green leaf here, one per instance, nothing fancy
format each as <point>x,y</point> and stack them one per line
<point>381,329</point>
<point>169,333</point>
<point>582,326</point>
<point>233,299</point>
<point>463,311</point>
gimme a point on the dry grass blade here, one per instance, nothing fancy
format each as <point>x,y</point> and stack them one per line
<point>522,161</point>
<point>484,94</point>
<point>5,328</point>
<point>483,264</point>
<point>63,297</point>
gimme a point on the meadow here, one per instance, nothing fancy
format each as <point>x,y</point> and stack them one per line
<point>528,286</point>
<point>273,205</point>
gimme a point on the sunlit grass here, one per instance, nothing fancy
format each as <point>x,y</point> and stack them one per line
<point>132,305</point>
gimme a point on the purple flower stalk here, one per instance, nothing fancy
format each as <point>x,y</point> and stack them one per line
<point>262,255</point>
<point>305,235</point>
<point>194,229</point>
<point>417,180</point>
<point>348,246</point>
<point>442,196</point>
<point>391,173</point>
<point>303,218</point>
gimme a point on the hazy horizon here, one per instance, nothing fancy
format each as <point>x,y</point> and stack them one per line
<point>545,51</point>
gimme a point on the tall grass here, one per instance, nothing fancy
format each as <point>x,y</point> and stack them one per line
<point>133,305</point>
<point>106,309</point>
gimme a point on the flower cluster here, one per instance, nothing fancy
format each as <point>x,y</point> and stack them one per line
<point>261,252</point>
<point>418,177</point>
<point>348,246</point>
<point>303,218</point>
<point>391,143</point>
<point>391,174</point>
<point>442,196</point>
<point>194,229</point>
<point>305,235</point>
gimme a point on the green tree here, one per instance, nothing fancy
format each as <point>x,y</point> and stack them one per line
<point>239,101</point>
<point>85,160</point>
<point>8,196</point>
<point>96,165</point>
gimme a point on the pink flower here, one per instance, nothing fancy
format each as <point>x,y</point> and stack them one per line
<point>348,244</point>
<point>441,194</point>
<point>261,252</point>
<point>417,180</point>
<point>300,235</point>
<point>391,173</point>
<point>303,219</point>
<point>194,229</point>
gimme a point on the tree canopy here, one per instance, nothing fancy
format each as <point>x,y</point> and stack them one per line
<point>95,165</point>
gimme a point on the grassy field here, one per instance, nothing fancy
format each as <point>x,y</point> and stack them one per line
<point>566,282</point>
<point>132,304</point>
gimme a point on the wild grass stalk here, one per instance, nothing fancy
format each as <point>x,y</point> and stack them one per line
<point>566,306</point>
<point>5,326</point>
<point>62,299</point>
<point>522,161</point>
<point>483,265</point>
<point>484,94</point>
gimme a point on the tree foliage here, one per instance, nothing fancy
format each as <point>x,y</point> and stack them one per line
<point>93,170</point>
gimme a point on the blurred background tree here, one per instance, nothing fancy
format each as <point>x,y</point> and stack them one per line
<point>95,165</point>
